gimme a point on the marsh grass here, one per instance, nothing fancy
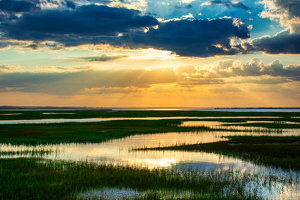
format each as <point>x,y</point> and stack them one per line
<point>35,134</point>
<point>26,152</point>
<point>25,178</point>
<point>277,125</point>
<point>275,151</point>
<point>94,132</point>
<point>134,113</point>
<point>40,179</point>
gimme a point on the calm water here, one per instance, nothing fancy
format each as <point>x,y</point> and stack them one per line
<point>121,152</point>
<point>219,109</point>
<point>63,120</point>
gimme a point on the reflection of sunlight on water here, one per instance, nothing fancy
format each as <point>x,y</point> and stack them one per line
<point>120,151</point>
<point>162,163</point>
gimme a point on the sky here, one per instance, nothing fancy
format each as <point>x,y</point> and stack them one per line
<point>150,53</point>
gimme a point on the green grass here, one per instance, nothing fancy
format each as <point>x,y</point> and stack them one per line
<point>86,132</point>
<point>277,151</point>
<point>263,139</point>
<point>96,131</point>
<point>89,132</point>
<point>39,179</point>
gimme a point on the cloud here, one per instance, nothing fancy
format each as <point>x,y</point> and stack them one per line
<point>31,45</point>
<point>69,83</point>
<point>65,81</point>
<point>102,58</point>
<point>228,4</point>
<point>188,6</point>
<point>233,68</point>
<point>286,41</point>
<point>291,7</point>
<point>100,24</point>
<point>256,68</point>
<point>283,42</point>
<point>8,68</point>
<point>226,89</point>
<point>82,24</point>
<point>286,12</point>
<point>200,38</point>
<point>5,44</point>
<point>17,6</point>
<point>11,9</point>
<point>111,90</point>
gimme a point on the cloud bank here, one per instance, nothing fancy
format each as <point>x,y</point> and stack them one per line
<point>110,81</point>
<point>100,24</point>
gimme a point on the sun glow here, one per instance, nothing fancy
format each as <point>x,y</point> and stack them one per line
<point>153,54</point>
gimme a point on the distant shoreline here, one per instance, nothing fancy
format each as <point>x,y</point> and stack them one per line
<point>234,109</point>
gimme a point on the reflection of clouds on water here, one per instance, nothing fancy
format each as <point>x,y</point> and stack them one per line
<point>121,152</point>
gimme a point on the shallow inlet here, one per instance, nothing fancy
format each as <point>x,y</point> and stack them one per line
<point>122,151</point>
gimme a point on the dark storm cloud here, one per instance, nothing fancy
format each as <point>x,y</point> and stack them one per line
<point>201,38</point>
<point>291,6</point>
<point>70,4</point>
<point>10,9</point>
<point>284,42</point>
<point>229,4</point>
<point>16,6</point>
<point>85,21</point>
<point>93,24</point>
<point>105,1</point>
